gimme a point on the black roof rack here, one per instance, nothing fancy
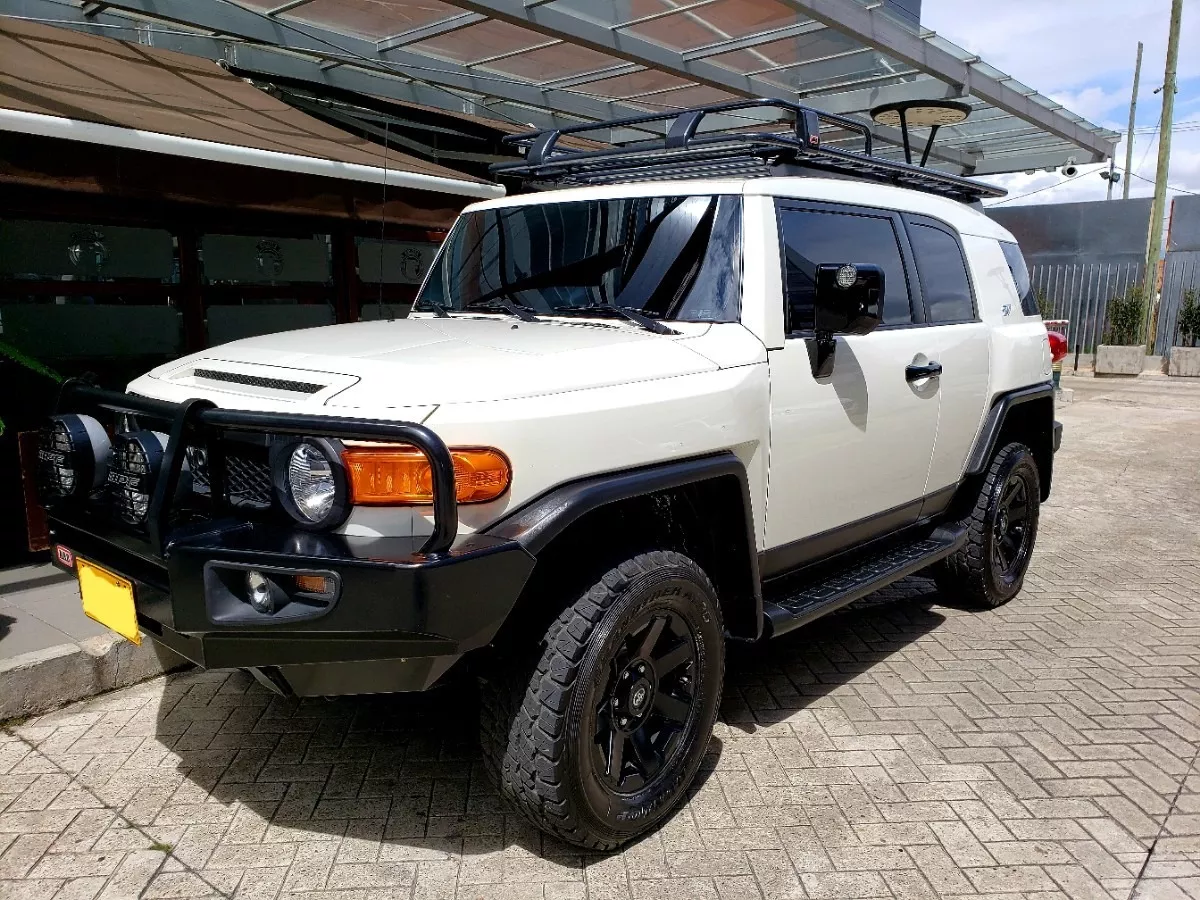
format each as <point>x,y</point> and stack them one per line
<point>684,153</point>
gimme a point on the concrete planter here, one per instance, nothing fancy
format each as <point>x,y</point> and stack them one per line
<point>1112,360</point>
<point>1185,362</point>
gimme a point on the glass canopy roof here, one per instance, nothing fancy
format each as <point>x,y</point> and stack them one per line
<point>549,63</point>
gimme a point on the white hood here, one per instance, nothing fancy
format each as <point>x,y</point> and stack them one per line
<point>423,362</point>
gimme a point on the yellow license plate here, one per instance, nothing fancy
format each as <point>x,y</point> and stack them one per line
<point>108,599</point>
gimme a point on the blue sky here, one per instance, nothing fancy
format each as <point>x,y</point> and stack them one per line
<point>1082,54</point>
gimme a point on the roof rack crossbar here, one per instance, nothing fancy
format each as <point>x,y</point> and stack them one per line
<point>686,149</point>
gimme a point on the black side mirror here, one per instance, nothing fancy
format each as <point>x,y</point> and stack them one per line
<point>849,300</point>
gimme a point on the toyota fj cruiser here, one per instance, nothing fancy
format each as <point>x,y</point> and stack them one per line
<point>625,423</point>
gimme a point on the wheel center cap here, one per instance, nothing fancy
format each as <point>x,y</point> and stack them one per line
<point>639,697</point>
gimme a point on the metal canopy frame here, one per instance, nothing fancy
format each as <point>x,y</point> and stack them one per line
<point>494,58</point>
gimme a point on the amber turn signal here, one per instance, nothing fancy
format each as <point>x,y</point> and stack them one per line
<point>393,476</point>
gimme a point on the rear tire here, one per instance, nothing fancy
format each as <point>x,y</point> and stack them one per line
<point>989,569</point>
<point>601,740</point>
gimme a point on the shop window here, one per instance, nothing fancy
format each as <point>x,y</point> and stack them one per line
<point>77,290</point>
<point>258,284</point>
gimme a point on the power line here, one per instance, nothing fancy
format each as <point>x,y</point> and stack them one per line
<point>1169,187</point>
<point>1048,187</point>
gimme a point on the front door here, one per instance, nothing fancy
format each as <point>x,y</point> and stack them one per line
<point>850,453</point>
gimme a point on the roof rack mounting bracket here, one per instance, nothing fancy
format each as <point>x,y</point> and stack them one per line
<point>683,129</point>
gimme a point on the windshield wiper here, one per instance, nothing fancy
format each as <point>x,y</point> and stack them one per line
<point>636,317</point>
<point>438,309</point>
<point>520,311</point>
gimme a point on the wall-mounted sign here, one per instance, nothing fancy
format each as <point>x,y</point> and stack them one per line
<point>394,262</point>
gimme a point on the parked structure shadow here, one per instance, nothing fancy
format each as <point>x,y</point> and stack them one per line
<point>405,771</point>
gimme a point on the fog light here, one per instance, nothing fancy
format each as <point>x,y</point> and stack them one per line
<point>73,456</point>
<point>264,595</point>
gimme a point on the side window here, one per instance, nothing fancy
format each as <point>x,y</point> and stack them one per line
<point>1020,274</point>
<point>811,238</point>
<point>943,272</point>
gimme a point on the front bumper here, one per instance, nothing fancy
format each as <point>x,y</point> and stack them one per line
<point>404,610</point>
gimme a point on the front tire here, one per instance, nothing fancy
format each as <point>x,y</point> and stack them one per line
<point>601,742</point>
<point>989,570</point>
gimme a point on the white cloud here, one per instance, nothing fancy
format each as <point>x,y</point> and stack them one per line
<point>1082,55</point>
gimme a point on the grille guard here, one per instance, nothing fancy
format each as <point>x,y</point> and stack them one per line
<point>202,420</point>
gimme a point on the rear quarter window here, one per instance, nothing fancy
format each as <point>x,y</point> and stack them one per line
<point>1020,274</point>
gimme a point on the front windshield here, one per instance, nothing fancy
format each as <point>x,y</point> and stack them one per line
<point>673,258</point>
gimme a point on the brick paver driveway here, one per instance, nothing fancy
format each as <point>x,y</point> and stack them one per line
<point>903,749</point>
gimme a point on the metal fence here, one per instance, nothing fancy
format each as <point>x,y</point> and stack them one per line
<point>1080,294</point>
<point>1180,275</point>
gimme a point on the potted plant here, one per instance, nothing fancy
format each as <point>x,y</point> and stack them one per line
<point>1185,357</point>
<point>1122,352</point>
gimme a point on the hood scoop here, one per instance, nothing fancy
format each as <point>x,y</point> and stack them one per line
<point>275,384</point>
<point>279,383</point>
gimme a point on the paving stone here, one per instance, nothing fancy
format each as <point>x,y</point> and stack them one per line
<point>903,748</point>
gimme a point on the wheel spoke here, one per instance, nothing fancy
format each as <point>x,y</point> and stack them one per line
<point>681,653</point>
<point>649,759</point>
<point>998,555</point>
<point>1010,491</point>
<point>616,755</point>
<point>672,708</point>
<point>656,629</point>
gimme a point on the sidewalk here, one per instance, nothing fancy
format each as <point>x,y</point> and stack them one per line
<point>39,609</point>
<point>51,653</point>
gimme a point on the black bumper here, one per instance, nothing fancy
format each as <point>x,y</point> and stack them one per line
<point>401,610</point>
<point>399,620</point>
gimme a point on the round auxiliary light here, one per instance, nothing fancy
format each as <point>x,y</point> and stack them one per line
<point>262,593</point>
<point>132,472</point>
<point>73,454</point>
<point>311,483</point>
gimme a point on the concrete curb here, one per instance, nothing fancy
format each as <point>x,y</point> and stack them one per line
<point>35,682</point>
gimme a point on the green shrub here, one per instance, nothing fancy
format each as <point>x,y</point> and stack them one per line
<point>8,351</point>
<point>1126,316</point>
<point>1189,318</point>
<point>1045,306</point>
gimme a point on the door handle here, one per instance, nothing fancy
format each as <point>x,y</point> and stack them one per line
<point>916,372</point>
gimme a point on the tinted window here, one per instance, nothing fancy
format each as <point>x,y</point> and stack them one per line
<point>1020,274</point>
<point>943,272</point>
<point>666,257</point>
<point>815,238</point>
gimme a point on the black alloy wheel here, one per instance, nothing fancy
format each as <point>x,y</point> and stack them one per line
<point>599,740</point>
<point>1012,536</point>
<point>989,569</point>
<point>647,703</point>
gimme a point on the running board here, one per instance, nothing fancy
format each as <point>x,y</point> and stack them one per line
<point>789,609</point>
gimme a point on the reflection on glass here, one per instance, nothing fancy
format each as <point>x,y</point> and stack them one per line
<point>671,258</point>
<point>70,251</point>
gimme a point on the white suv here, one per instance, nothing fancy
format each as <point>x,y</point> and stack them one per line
<point>624,424</point>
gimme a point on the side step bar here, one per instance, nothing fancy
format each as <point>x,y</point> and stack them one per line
<point>805,602</point>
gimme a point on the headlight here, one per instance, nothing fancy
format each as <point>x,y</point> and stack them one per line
<point>72,456</point>
<point>311,483</point>
<point>136,461</point>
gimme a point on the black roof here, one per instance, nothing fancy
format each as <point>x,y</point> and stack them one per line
<point>687,153</point>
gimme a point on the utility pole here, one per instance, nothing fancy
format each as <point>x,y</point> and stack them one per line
<point>1158,209</point>
<point>1137,79</point>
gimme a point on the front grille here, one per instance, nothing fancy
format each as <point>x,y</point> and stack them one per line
<point>248,476</point>
<point>275,384</point>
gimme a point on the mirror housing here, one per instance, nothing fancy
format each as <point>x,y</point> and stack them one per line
<point>849,300</point>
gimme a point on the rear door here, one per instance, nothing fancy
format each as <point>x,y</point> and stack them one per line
<point>849,453</point>
<point>960,343</point>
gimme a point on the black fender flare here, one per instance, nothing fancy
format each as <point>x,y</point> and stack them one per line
<point>1044,445</point>
<point>538,522</point>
